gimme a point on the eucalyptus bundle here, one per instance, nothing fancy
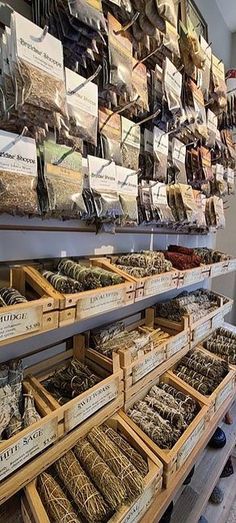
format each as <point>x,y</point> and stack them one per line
<point>117,461</point>
<point>55,502</point>
<point>11,296</point>
<point>62,283</point>
<point>136,459</point>
<point>89,277</point>
<point>102,476</point>
<point>89,501</point>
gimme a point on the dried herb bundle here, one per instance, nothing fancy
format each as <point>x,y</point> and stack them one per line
<point>196,303</point>
<point>56,503</point>
<point>117,461</point>
<point>63,283</point>
<point>211,255</point>
<point>102,476</point>
<point>11,296</point>
<point>30,413</point>
<point>87,498</point>
<point>66,383</point>
<point>136,459</point>
<point>89,277</point>
<point>148,263</point>
<point>223,343</point>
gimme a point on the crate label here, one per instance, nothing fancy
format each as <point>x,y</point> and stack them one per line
<point>148,365</point>
<point>193,276</point>
<point>232,265</point>
<point>217,270</point>
<point>201,331</point>
<point>176,345</point>
<point>217,321</point>
<point>28,446</point>
<point>224,394</point>
<point>189,445</point>
<point>18,322</point>
<point>101,302</point>
<point>84,408</point>
<point>227,308</point>
<point>160,284</point>
<point>141,506</point>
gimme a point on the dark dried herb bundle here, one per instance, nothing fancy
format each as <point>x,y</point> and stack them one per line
<point>138,461</point>
<point>89,277</point>
<point>11,296</point>
<point>196,303</point>
<point>147,263</point>
<point>223,343</point>
<point>63,283</point>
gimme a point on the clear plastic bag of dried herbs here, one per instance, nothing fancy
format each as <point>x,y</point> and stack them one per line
<point>110,133</point>
<point>130,145</point>
<point>120,57</point>
<point>89,12</point>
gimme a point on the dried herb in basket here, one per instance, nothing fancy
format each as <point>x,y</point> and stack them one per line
<point>55,501</point>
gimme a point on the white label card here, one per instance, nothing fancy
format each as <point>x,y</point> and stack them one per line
<point>219,172</point>
<point>37,440</point>
<point>127,181</point>
<point>232,265</point>
<point>159,284</point>
<point>224,394</point>
<point>17,154</point>
<point>102,175</point>
<point>190,444</point>
<point>85,408</point>
<point>85,98</point>
<point>218,269</point>
<point>193,275</point>
<point>217,321</point>
<point>172,77</point>
<point>18,322</point>
<point>178,150</point>
<point>160,141</point>
<point>100,302</point>
<point>176,345</point>
<point>148,365</point>
<point>211,121</point>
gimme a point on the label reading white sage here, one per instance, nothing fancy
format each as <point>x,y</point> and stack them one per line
<point>190,444</point>
<point>148,365</point>
<point>102,301</point>
<point>85,408</point>
<point>18,322</point>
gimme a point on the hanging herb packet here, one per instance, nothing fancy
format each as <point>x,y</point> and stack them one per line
<point>140,86</point>
<point>230,177</point>
<point>178,159</point>
<point>130,143</point>
<point>157,87</point>
<point>205,158</point>
<point>219,212</point>
<point>199,107</point>
<point>154,18</point>
<point>120,56</point>
<point>167,10</point>
<point>90,12</point>
<point>171,39</point>
<point>39,69</point>
<point>200,200</point>
<point>186,194</point>
<point>18,175</point>
<point>218,82</point>
<point>110,132</point>
<point>212,128</point>
<point>160,153</point>
<point>160,208</point>
<point>104,187</point>
<point>206,72</point>
<point>148,154</point>
<point>145,207</point>
<point>128,193</point>
<point>64,181</point>
<point>220,183</point>
<point>82,105</point>
<point>173,86</point>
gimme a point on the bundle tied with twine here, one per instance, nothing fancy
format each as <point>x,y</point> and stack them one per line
<point>56,504</point>
<point>117,461</point>
<point>87,498</point>
<point>136,459</point>
<point>102,476</point>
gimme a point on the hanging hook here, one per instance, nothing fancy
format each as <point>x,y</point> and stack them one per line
<point>128,25</point>
<point>23,133</point>
<point>94,75</point>
<point>179,70</point>
<point>159,48</point>
<point>119,111</point>
<point>209,45</point>
<point>151,117</point>
<point>43,35</point>
<point>64,156</point>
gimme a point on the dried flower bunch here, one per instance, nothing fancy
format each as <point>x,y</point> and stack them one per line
<point>182,258</point>
<point>202,372</point>
<point>17,409</point>
<point>67,383</point>
<point>146,263</point>
<point>223,343</point>
<point>94,479</point>
<point>164,414</point>
<point>197,303</point>
<point>10,296</point>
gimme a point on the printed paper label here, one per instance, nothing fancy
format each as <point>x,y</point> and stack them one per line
<point>17,154</point>
<point>192,276</point>
<point>160,141</point>
<point>89,405</point>
<point>219,172</point>
<point>27,447</point>
<point>217,270</point>
<point>178,151</point>
<point>190,443</point>
<point>202,330</point>
<point>44,53</point>
<point>18,322</point>
<point>130,133</point>
<point>173,78</point>
<point>159,284</point>
<point>224,394</point>
<point>141,506</point>
<point>127,181</point>
<point>102,174</point>
<point>176,345</point>
<point>159,194</point>
<point>85,98</point>
<point>211,121</point>
<point>217,321</point>
<point>101,302</point>
<point>148,365</point>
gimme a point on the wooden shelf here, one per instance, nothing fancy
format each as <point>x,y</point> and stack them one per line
<point>162,501</point>
<point>220,513</point>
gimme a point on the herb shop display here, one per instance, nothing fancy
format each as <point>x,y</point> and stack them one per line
<point>222,343</point>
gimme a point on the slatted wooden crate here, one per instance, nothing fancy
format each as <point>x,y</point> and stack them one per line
<point>109,391</point>
<point>33,509</point>
<point>172,459</point>
<point>149,285</point>
<point>21,321</point>
<point>220,394</point>
<point>75,307</point>
<point>226,326</point>
<point>224,267</point>
<point>205,326</point>
<point>191,276</point>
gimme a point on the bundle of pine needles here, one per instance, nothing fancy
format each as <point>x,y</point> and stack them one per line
<point>55,502</point>
<point>138,461</point>
<point>102,476</point>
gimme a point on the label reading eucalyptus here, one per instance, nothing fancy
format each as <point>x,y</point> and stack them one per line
<point>193,275</point>
<point>141,506</point>
<point>85,408</point>
<point>176,345</point>
<point>102,301</point>
<point>159,284</point>
<point>37,440</point>
<point>190,443</point>
<point>148,365</point>
<point>224,394</point>
<point>18,322</point>
<point>202,330</point>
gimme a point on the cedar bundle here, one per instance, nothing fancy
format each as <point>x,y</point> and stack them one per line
<point>117,461</point>
<point>138,461</point>
<point>89,501</point>
<point>56,504</point>
<point>105,480</point>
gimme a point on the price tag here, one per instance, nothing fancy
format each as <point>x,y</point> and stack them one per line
<point>84,408</point>
<point>159,284</point>
<point>28,446</point>
<point>190,443</point>
<point>224,394</point>
<point>100,302</point>
<point>148,365</point>
<point>21,321</point>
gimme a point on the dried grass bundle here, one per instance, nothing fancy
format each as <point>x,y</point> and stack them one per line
<point>102,476</point>
<point>117,461</point>
<point>56,504</point>
<point>30,413</point>
<point>138,461</point>
<point>89,501</point>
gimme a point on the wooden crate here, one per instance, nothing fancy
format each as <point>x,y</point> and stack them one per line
<point>206,325</point>
<point>33,509</point>
<point>191,276</point>
<point>38,315</point>
<point>224,267</point>
<point>172,459</point>
<point>149,285</point>
<point>76,411</point>
<point>78,306</point>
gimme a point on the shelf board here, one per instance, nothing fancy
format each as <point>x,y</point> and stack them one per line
<point>162,501</point>
<point>220,513</point>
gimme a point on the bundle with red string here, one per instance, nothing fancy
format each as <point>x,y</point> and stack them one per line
<point>182,258</point>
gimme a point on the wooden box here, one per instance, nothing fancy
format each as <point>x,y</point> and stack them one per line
<point>23,320</point>
<point>108,392</point>
<point>192,276</point>
<point>33,509</point>
<point>172,459</point>
<point>205,326</point>
<point>149,285</point>
<point>224,267</point>
<point>78,306</point>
